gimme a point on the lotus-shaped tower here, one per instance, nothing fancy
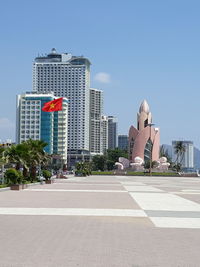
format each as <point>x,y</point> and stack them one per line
<point>144,141</point>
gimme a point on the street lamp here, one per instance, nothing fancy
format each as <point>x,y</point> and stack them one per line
<point>150,162</point>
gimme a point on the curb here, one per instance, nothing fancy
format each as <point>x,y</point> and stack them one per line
<point>4,189</point>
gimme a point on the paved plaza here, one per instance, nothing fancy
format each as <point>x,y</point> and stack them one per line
<point>102,221</point>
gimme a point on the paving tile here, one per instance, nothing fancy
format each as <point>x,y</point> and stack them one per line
<point>171,222</point>
<point>72,212</point>
<point>141,188</point>
<point>164,201</point>
<point>109,237</point>
<point>67,200</point>
<point>192,197</point>
<point>42,241</point>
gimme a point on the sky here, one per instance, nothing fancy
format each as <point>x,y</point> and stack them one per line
<point>138,50</point>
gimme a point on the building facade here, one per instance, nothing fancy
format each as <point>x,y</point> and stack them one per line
<point>33,123</point>
<point>96,110</point>
<point>112,132</point>
<point>144,141</point>
<point>123,142</point>
<point>187,158</point>
<point>104,133</point>
<point>68,76</point>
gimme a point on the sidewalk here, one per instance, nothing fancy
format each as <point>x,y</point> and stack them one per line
<point>101,221</point>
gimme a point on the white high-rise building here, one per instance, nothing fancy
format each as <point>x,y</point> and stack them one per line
<point>104,133</point>
<point>68,76</point>
<point>33,123</point>
<point>187,160</point>
<point>96,110</point>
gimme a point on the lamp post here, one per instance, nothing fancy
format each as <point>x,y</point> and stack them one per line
<point>150,161</point>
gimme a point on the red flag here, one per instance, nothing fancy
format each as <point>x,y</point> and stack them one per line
<point>54,105</point>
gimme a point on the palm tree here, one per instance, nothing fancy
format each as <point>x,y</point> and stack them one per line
<point>15,155</point>
<point>179,150</point>
<point>2,160</point>
<point>29,155</point>
<point>36,155</point>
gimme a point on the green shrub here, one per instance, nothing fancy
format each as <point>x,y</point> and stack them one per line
<point>46,174</point>
<point>3,185</point>
<point>102,173</point>
<point>13,176</point>
<point>82,169</point>
<point>132,173</point>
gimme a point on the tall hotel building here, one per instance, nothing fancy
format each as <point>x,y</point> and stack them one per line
<point>68,76</point>
<point>33,123</point>
<point>96,110</point>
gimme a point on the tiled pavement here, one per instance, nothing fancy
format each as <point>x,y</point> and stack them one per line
<point>102,221</point>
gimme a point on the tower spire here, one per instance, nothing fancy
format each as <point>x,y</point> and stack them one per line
<point>144,107</point>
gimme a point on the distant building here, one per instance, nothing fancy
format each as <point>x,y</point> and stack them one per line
<point>104,133</point>
<point>6,143</point>
<point>144,141</point>
<point>96,110</point>
<point>112,132</point>
<point>187,161</point>
<point>33,123</point>
<point>123,142</point>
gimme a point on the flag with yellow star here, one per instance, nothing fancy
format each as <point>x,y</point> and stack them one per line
<point>54,105</point>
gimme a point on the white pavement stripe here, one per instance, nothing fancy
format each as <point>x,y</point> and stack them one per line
<point>132,183</point>
<point>191,190</point>
<point>168,222</point>
<point>164,201</point>
<point>73,212</point>
<point>75,190</point>
<point>142,188</point>
<point>94,184</point>
<point>186,193</point>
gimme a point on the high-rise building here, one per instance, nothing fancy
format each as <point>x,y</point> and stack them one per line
<point>33,123</point>
<point>144,141</point>
<point>104,133</point>
<point>123,142</point>
<point>112,132</point>
<point>96,110</point>
<point>68,76</point>
<point>187,158</point>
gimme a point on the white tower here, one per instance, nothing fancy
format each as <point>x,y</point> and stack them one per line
<point>104,133</point>
<point>96,110</point>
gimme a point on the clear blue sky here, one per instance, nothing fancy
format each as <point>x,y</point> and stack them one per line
<point>148,49</point>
